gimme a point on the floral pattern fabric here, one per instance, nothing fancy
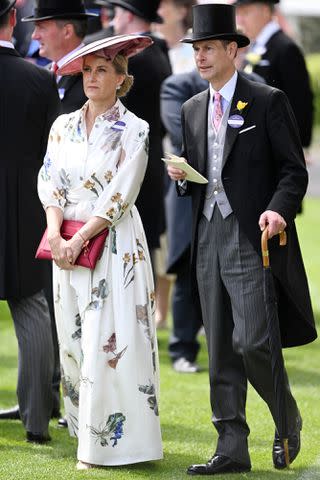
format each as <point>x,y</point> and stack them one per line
<point>105,317</point>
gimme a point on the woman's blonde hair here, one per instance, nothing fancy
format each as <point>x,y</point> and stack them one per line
<point>120,63</point>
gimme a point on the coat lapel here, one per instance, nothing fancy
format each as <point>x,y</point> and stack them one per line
<point>201,129</point>
<point>242,93</point>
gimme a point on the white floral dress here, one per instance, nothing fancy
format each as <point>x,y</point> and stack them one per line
<point>105,317</point>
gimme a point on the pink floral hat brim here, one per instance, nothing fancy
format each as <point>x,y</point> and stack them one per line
<point>127,45</point>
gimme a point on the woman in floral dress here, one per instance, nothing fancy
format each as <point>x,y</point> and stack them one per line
<point>92,172</point>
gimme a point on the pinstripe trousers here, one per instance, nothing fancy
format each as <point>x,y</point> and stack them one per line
<point>230,281</point>
<point>35,367</point>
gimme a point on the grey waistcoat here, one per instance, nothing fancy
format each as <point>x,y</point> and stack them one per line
<point>215,194</point>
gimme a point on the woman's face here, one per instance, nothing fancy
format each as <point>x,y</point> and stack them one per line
<point>100,79</point>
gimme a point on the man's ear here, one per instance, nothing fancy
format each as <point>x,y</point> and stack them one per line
<point>232,49</point>
<point>68,30</point>
<point>13,18</point>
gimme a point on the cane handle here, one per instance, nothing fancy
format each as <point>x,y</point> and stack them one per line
<point>264,245</point>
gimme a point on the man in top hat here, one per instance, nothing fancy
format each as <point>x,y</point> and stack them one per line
<point>243,137</point>
<point>149,69</point>
<point>277,58</point>
<point>28,109</point>
<point>60,27</point>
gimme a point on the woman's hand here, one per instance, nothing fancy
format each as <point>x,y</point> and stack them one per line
<point>61,251</point>
<point>76,244</point>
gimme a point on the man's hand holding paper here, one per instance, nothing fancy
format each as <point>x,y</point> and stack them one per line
<point>179,169</point>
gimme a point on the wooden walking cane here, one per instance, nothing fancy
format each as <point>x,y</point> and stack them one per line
<point>277,363</point>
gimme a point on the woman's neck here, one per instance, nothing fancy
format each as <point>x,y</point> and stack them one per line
<point>96,108</point>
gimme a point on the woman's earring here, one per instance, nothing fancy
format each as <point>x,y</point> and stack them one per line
<point>118,87</point>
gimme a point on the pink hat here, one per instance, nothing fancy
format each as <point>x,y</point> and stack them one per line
<point>127,45</point>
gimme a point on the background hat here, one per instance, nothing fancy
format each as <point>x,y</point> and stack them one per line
<point>47,9</point>
<point>237,3</point>
<point>102,3</point>
<point>127,45</point>
<point>146,9</point>
<point>5,6</point>
<point>216,22</point>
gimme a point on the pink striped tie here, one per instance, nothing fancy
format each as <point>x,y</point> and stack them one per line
<point>217,110</point>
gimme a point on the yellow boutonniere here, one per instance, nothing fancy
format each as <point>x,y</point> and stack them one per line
<point>241,105</point>
<point>253,58</point>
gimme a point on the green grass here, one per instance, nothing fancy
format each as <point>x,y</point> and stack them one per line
<point>185,413</point>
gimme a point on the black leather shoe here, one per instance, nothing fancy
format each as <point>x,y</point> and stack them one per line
<point>62,422</point>
<point>278,450</point>
<point>218,464</point>
<point>38,437</point>
<point>10,414</point>
<point>14,413</point>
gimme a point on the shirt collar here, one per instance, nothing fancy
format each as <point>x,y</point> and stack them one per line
<point>264,36</point>
<point>4,43</point>
<point>62,60</point>
<point>227,91</point>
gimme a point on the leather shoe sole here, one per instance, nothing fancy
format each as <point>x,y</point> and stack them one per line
<point>14,413</point>
<point>10,414</point>
<point>216,465</point>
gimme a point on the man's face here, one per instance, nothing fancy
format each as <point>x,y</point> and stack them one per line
<point>50,37</point>
<point>171,13</point>
<point>252,18</point>
<point>215,61</point>
<point>121,21</point>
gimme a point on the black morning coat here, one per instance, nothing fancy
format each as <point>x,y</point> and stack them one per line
<point>263,169</point>
<point>71,93</point>
<point>283,66</point>
<point>29,103</point>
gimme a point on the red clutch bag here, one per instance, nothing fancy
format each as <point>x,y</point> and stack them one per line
<point>88,256</point>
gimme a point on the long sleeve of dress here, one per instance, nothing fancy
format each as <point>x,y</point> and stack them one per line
<point>52,183</point>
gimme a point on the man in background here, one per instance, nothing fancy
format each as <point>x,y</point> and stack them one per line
<point>27,113</point>
<point>60,28</point>
<point>277,58</point>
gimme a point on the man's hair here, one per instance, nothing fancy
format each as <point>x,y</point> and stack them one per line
<point>80,25</point>
<point>4,19</point>
<point>270,5</point>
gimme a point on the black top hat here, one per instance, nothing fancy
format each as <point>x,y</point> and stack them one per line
<point>5,6</point>
<point>48,9</point>
<point>146,9</point>
<point>216,22</point>
<point>237,3</point>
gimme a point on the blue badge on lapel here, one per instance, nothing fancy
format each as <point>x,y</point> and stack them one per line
<point>235,121</point>
<point>118,126</point>
<point>61,92</point>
